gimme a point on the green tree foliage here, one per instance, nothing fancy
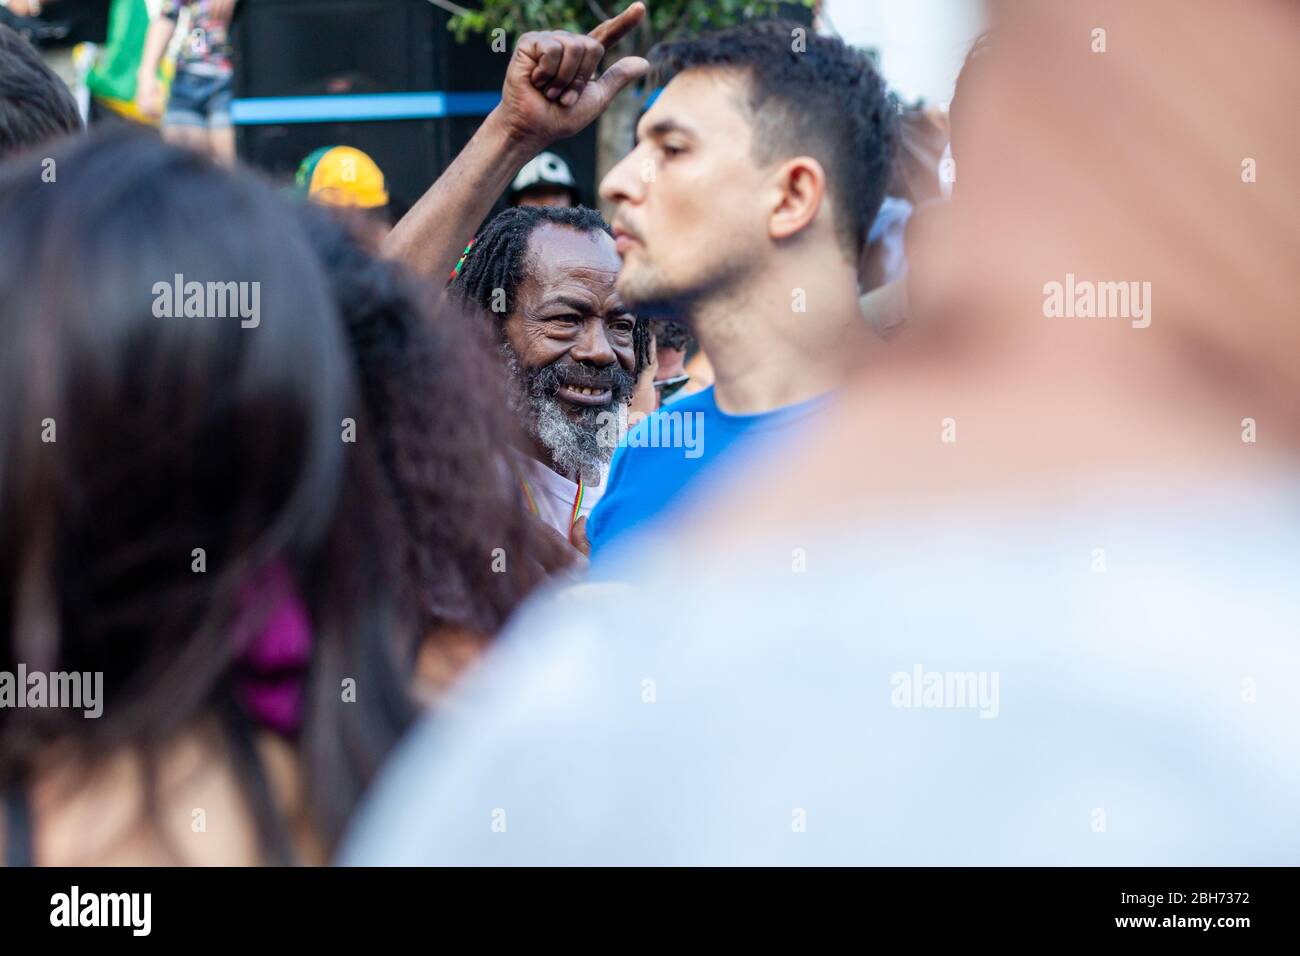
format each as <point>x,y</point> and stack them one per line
<point>667,18</point>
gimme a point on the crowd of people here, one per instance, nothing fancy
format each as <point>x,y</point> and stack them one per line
<point>542,538</point>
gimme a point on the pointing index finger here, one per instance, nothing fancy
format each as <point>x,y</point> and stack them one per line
<point>615,28</point>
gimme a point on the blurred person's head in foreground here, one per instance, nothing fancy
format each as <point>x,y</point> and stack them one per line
<point>546,277</point>
<point>545,180</point>
<point>961,128</point>
<point>1070,293</point>
<point>186,511</point>
<point>35,105</point>
<point>1093,508</point>
<point>759,166</point>
<point>349,180</point>
<point>435,400</point>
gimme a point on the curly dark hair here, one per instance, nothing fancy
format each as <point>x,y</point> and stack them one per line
<point>434,398</point>
<point>671,335</point>
<point>825,101</point>
<point>498,259</point>
<point>179,437</point>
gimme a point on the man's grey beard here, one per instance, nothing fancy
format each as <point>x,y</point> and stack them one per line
<point>581,446</point>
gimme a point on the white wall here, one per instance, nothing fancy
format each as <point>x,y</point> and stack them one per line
<point>922,43</point>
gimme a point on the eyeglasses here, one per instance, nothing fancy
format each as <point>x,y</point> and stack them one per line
<point>669,387</point>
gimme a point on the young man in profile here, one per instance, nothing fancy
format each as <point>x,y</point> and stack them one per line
<point>743,210</point>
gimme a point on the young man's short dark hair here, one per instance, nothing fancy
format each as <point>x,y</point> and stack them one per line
<point>671,335</point>
<point>35,105</point>
<point>808,95</point>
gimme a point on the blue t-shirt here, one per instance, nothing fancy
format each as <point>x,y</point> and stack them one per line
<point>666,453</point>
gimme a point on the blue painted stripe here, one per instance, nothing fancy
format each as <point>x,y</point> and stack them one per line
<point>360,106</point>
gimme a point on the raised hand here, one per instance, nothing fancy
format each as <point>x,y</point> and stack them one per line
<point>550,90</point>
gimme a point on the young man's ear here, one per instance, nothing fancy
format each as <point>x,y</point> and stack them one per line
<point>800,184</point>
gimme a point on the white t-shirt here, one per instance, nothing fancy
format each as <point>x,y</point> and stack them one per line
<point>1112,685</point>
<point>554,494</point>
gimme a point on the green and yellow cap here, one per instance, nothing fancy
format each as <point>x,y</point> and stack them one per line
<point>342,176</point>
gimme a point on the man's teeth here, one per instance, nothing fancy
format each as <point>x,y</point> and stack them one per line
<point>586,390</point>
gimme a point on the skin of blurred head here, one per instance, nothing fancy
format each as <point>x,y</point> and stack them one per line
<point>1074,161</point>
<point>1120,187</point>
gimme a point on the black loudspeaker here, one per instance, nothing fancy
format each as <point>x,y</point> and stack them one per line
<point>385,76</point>
<point>408,151</point>
<point>336,47</point>
<point>62,24</point>
<point>312,73</point>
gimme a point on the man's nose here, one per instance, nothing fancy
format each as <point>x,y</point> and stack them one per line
<point>592,345</point>
<point>621,184</point>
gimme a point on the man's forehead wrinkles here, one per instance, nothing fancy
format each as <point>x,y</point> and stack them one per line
<point>568,273</point>
<point>557,263</point>
<point>585,281</point>
<point>552,248</point>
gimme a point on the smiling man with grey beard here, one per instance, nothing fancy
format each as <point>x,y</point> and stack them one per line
<point>572,436</point>
<point>547,277</point>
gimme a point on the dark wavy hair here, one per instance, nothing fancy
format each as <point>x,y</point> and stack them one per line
<point>35,105</point>
<point>172,434</point>
<point>499,260</point>
<point>671,335</point>
<point>825,100</point>
<point>435,400</point>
